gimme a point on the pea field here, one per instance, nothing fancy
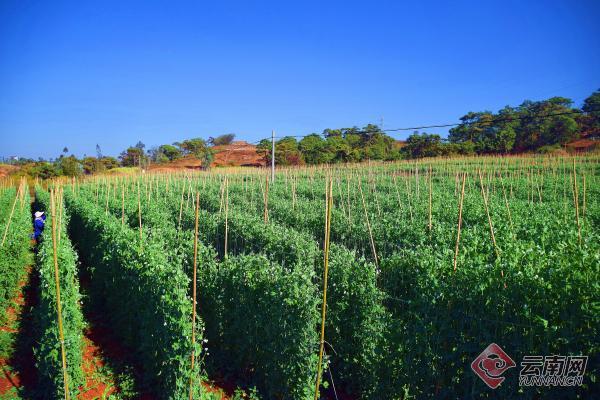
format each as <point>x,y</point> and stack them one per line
<point>367,281</point>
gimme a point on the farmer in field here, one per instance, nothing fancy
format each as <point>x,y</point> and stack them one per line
<point>38,224</point>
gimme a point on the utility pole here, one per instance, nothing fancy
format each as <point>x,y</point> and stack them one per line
<point>273,156</point>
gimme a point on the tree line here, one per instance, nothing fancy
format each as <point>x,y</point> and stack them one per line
<point>133,156</point>
<point>534,126</point>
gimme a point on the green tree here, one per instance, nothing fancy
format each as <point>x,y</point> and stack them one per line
<point>109,162</point>
<point>132,157</point>
<point>591,108</point>
<point>92,165</point>
<point>312,149</point>
<point>69,166</point>
<point>419,145</point>
<point>170,152</point>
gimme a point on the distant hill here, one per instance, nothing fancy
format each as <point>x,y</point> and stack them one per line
<point>237,154</point>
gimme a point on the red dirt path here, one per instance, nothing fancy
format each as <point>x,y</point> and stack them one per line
<point>19,370</point>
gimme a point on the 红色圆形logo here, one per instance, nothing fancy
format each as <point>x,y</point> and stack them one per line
<point>491,364</point>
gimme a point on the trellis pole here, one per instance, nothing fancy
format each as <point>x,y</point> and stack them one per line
<point>266,200</point>
<point>576,200</point>
<point>487,212</point>
<point>10,217</point>
<point>368,225</point>
<point>194,296</point>
<point>512,228</point>
<point>122,205</point>
<point>226,215</point>
<point>430,194</point>
<point>329,204</point>
<point>139,213</point>
<point>58,301</point>
<point>181,207</point>
<point>460,208</point>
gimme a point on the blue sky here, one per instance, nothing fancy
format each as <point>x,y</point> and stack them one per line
<point>114,72</point>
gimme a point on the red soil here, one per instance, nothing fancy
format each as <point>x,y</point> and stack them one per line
<point>238,153</point>
<point>19,370</point>
<point>96,385</point>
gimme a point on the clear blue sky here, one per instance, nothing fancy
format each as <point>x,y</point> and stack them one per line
<point>114,72</point>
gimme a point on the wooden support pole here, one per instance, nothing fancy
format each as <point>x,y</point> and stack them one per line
<point>328,206</point>
<point>487,212</point>
<point>576,200</point>
<point>10,218</point>
<point>58,301</point>
<point>459,224</point>
<point>226,215</point>
<point>194,296</point>
<point>266,200</point>
<point>430,194</point>
<point>139,213</point>
<point>368,225</point>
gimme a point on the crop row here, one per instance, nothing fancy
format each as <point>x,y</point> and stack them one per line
<point>427,321</point>
<point>14,254</point>
<point>48,347</point>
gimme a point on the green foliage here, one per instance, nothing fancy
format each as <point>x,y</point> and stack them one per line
<point>263,324</point>
<point>132,157</point>
<point>524,128</point>
<point>591,106</point>
<point>69,166</point>
<point>420,145</point>
<point>93,165</point>
<point>48,349</point>
<point>170,152</point>
<point>407,326</point>
<point>145,294</point>
<point>14,254</point>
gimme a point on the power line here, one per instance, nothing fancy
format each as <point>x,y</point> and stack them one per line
<point>474,123</point>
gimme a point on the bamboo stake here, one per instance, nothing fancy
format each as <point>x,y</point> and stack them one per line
<point>60,211</point>
<point>487,212</point>
<point>226,214</point>
<point>406,181</point>
<point>430,191</point>
<point>368,224</point>
<point>266,200</point>
<point>397,193</point>
<point>329,204</point>
<point>584,195</point>
<point>194,296</point>
<point>512,229</point>
<point>180,208</point>
<point>58,301</point>
<point>576,200</point>
<point>139,213</point>
<point>10,218</point>
<point>460,208</point>
<point>122,205</point>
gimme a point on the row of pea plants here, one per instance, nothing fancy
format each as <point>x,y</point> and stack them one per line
<point>406,377</point>
<point>396,224</point>
<point>541,260</point>
<point>556,265</point>
<point>290,254</point>
<point>262,338</point>
<point>355,321</point>
<point>144,295</point>
<point>48,342</point>
<point>15,255</point>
